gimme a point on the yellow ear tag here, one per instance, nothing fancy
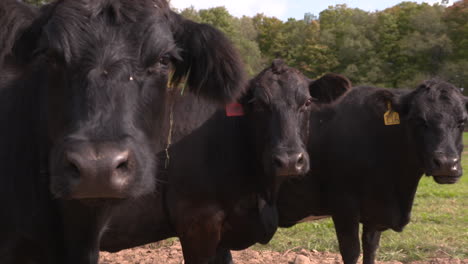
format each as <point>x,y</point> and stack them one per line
<point>391,117</point>
<point>169,80</point>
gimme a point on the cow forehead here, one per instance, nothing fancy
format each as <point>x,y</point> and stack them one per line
<point>443,102</point>
<point>76,28</point>
<point>126,6</point>
<point>288,86</point>
<point>100,4</point>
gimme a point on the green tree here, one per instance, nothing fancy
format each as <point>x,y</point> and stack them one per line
<point>220,18</point>
<point>191,13</point>
<point>349,34</point>
<point>269,31</point>
<point>456,21</point>
<point>241,31</point>
<point>37,2</point>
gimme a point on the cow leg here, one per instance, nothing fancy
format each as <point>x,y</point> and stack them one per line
<point>201,245</point>
<point>197,250</point>
<point>347,231</point>
<point>200,233</point>
<point>223,256</point>
<point>370,243</point>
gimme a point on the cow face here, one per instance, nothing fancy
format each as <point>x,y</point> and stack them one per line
<point>436,115</point>
<point>278,103</point>
<point>108,64</point>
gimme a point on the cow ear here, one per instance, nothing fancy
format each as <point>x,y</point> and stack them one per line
<point>329,87</point>
<point>16,20</point>
<point>384,100</point>
<point>210,64</point>
<point>380,100</point>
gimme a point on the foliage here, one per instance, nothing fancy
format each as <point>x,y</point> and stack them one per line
<point>37,2</point>
<point>396,47</point>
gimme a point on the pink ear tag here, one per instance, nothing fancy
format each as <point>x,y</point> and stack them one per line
<point>234,109</point>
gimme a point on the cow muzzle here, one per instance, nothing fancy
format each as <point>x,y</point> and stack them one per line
<point>97,171</point>
<point>446,169</point>
<point>291,164</point>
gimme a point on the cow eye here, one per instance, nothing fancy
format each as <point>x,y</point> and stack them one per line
<point>421,122</point>
<point>307,104</point>
<point>163,63</point>
<point>165,60</point>
<point>260,106</point>
<point>51,61</point>
<point>51,58</point>
<point>461,124</point>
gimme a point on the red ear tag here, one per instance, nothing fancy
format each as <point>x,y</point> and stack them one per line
<point>234,109</point>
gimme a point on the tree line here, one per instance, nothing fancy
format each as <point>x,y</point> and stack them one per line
<point>397,47</point>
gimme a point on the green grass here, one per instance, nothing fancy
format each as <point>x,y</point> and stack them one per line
<point>438,227</point>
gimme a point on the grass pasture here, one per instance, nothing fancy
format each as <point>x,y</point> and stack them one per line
<point>438,227</point>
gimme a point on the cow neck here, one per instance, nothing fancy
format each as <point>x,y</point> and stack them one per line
<point>266,186</point>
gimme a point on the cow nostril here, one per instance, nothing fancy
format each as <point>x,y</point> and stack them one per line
<point>123,165</point>
<point>437,162</point>
<point>72,165</point>
<point>277,162</point>
<point>121,161</point>
<point>454,165</point>
<point>74,170</point>
<point>300,160</point>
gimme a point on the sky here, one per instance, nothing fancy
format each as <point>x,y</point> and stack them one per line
<point>284,9</point>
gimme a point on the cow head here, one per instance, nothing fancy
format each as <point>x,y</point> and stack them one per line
<point>435,114</point>
<point>277,103</point>
<point>108,64</point>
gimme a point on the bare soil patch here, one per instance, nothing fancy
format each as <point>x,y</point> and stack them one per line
<point>171,253</point>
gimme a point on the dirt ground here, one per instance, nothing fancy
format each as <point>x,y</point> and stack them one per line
<point>172,254</point>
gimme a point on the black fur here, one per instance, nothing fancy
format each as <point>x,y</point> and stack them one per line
<point>208,60</point>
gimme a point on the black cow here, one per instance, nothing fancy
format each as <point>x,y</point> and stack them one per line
<point>220,190</point>
<point>365,171</point>
<point>84,115</point>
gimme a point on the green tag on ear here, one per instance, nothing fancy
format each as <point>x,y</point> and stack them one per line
<point>391,117</point>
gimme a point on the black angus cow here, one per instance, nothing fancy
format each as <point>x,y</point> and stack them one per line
<point>365,171</point>
<point>83,110</point>
<point>221,180</point>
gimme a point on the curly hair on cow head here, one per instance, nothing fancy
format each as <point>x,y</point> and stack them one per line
<point>438,89</point>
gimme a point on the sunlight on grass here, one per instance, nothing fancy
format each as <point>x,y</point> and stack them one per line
<point>438,227</point>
